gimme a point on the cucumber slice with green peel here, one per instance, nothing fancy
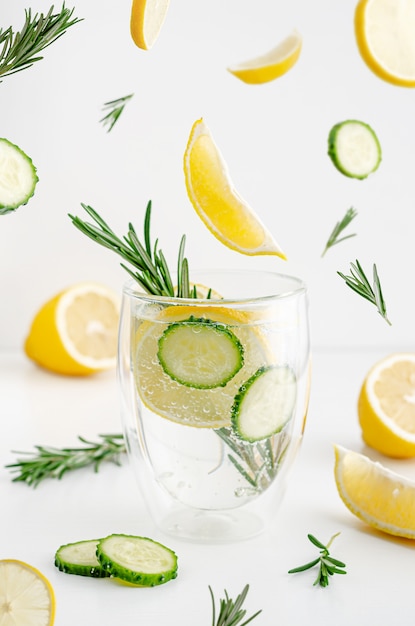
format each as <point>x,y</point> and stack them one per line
<point>18,177</point>
<point>354,148</point>
<point>265,403</point>
<point>137,560</point>
<point>200,353</point>
<point>80,558</point>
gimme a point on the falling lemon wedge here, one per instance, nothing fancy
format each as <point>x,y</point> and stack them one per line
<point>147,18</point>
<point>217,203</point>
<point>273,64</point>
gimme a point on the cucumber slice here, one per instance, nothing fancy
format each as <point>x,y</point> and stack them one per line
<point>200,353</point>
<point>354,148</point>
<point>18,177</point>
<point>137,560</point>
<point>80,558</point>
<point>264,404</point>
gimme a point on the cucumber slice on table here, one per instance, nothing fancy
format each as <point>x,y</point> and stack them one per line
<point>200,353</point>
<point>80,558</point>
<point>137,560</point>
<point>18,177</point>
<point>354,148</point>
<point>265,403</point>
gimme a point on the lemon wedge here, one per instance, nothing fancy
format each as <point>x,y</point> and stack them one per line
<point>75,332</point>
<point>147,18</point>
<point>26,596</point>
<point>273,64</point>
<point>222,210</point>
<point>384,32</point>
<point>381,498</point>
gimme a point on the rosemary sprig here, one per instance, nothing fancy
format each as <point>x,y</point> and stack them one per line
<point>231,612</point>
<point>152,272</point>
<point>359,283</point>
<point>327,565</point>
<point>19,50</point>
<point>114,108</point>
<point>339,228</point>
<point>49,462</point>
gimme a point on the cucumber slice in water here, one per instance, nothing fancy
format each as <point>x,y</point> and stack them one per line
<point>137,560</point>
<point>264,404</point>
<point>354,148</point>
<point>200,353</point>
<point>80,558</point>
<point>18,177</point>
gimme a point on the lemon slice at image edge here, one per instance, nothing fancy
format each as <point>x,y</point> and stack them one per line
<point>26,596</point>
<point>376,495</point>
<point>211,192</point>
<point>273,64</point>
<point>147,18</point>
<point>76,332</point>
<point>384,31</point>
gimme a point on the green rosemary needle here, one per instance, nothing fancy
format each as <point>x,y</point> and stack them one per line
<point>19,50</point>
<point>359,283</point>
<point>231,612</point>
<point>327,565</point>
<point>114,108</point>
<point>48,462</point>
<point>339,228</point>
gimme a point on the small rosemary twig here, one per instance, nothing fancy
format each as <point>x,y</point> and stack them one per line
<point>231,612</point>
<point>339,227</point>
<point>114,108</point>
<point>327,565</point>
<point>360,284</point>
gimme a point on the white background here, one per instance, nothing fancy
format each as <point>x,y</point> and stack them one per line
<point>272,136</point>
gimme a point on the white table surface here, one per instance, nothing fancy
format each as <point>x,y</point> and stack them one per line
<point>40,408</point>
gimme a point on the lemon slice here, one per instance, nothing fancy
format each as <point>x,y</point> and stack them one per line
<point>386,406</point>
<point>26,596</point>
<point>381,498</point>
<point>215,200</point>
<point>76,332</point>
<point>384,32</point>
<point>273,64</point>
<point>147,18</point>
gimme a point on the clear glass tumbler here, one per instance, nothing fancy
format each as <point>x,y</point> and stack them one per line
<point>214,394</point>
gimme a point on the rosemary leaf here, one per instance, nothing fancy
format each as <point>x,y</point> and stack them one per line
<point>338,229</point>
<point>231,612</point>
<point>327,565</point>
<point>114,108</point>
<point>358,282</point>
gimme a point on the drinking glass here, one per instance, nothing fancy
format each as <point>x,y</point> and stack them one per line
<point>214,395</point>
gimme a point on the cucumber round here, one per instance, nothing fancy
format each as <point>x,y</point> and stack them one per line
<point>200,353</point>
<point>354,148</point>
<point>265,403</point>
<point>137,560</point>
<point>80,558</point>
<point>18,177</point>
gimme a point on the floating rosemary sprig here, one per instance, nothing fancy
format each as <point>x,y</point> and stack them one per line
<point>359,283</point>
<point>49,462</point>
<point>339,228</point>
<point>114,108</point>
<point>231,612</point>
<point>19,50</point>
<point>327,565</point>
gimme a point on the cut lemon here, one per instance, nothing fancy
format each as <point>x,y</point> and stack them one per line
<point>147,18</point>
<point>215,200</point>
<point>273,64</point>
<point>375,494</point>
<point>386,406</point>
<point>75,332</point>
<point>26,596</point>
<point>385,37</point>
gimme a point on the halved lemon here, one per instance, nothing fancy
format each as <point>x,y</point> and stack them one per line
<point>386,406</point>
<point>271,65</point>
<point>147,18</point>
<point>26,596</point>
<point>381,498</point>
<point>217,203</point>
<point>385,38</point>
<point>76,332</point>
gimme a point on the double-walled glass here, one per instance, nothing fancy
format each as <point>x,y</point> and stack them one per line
<point>214,399</point>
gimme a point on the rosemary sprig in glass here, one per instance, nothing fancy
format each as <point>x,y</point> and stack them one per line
<point>231,612</point>
<point>327,565</point>
<point>114,109</point>
<point>50,462</point>
<point>360,284</point>
<point>339,228</point>
<point>19,50</point>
